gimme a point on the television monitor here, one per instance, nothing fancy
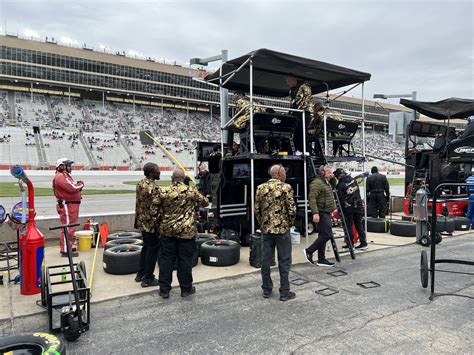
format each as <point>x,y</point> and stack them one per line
<point>240,171</point>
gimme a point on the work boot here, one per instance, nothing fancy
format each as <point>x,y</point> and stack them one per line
<point>148,283</point>
<point>138,278</point>
<point>188,293</point>
<point>289,296</point>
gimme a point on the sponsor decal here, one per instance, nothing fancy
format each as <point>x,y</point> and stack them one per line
<point>464,149</point>
<point>275,120</point>
<point>341,126</point>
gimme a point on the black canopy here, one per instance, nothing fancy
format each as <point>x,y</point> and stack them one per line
<point>270,69</point>
<point>448,108</point>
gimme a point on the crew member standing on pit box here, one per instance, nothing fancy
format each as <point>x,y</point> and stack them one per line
<point>178,231</point>
<point>275,212</point>
<point>146,221</point>
<point>301,98</point>
<point>68,196</point>
<point>215,159</point>
<point>321,202</point>
<point>378,194</point>
<point>352,206</point>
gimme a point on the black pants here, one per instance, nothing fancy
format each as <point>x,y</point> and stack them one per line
<point>377,206</point>
<point>149,255</point>
<point>182,250</point>
<point>355,217</point>
<point>282,242</point>
<point>325,234</point>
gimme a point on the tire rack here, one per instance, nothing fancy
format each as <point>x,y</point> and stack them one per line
<point>55,301</point>
<point>433,260</point>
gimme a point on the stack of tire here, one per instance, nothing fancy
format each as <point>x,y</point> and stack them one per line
<point>220,252</point>
<point>404,228</point>
<point>377,225</point>
<point>122,253</point>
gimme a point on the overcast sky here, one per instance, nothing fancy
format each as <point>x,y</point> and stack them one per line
<point>424,46</point>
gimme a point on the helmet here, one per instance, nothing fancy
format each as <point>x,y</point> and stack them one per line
<point>63,161</point>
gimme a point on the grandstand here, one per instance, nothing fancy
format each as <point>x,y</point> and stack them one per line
<point>90,106</point>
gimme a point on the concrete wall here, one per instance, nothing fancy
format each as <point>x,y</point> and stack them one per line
<point>116,222</point>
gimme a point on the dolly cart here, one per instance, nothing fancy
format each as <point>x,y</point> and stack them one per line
<point>66,308</point>
<point>428,267</point>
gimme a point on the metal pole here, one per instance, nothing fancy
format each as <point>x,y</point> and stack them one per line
<point>224,102</point>
<point>103,99</point>
<point>325,137</point>
<point>69,97</point>
<point>210,115</point>
<point>413,97</point>
<point>305,179</point>
<point>31,89</point>
<point>363,154</point>
<point>252,182</point>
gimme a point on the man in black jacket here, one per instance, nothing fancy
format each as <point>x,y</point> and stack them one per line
<point>378,194</point>
<point>352,206</point>
<point>215,159</point>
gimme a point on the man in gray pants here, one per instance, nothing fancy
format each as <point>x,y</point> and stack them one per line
<point>275,211</point>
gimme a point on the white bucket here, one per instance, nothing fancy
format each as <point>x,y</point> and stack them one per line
<point>295,236</point>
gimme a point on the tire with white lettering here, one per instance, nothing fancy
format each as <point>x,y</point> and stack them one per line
<point>123,241</point>
<point>462,223</point>
<point>220,253</point>
<point>121,235</point>
<point>36,343</point>
<point>122,259</point>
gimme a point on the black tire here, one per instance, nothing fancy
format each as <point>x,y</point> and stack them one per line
<point>409,218</point>
<point>44,286</point>
<point>70,327</point>
<point>424,275</point>
<point>123,241</point>
<point>118,235</point>
<point>438,238</point>
<point>37,343</point>
<point>444,224</point>
<point>377,225</point>
<point>122,259</point>
<point>462,223</point>
<point>425,241</point>
<point>204,237</point>
<point>220,253</point>
<point>403,228</point>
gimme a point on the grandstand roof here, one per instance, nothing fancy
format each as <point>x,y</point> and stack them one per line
<point>270,69</point>
<point>89,54</point>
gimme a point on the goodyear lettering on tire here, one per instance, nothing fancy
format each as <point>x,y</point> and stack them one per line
<point>53,343</point>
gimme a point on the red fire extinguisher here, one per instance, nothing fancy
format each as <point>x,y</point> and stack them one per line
<point>31,243</point>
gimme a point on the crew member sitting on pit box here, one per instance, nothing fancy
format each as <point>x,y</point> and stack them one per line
<point>68,196</point>
<point>242,104</point>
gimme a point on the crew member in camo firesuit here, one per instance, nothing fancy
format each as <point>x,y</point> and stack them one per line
<point>68,196</point>
<point>178,203</point>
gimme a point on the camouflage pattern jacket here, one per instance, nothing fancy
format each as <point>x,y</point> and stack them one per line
<point>244,117</point>
<point>146,213</point>
<point>178,204</point>
<point>275,207</point>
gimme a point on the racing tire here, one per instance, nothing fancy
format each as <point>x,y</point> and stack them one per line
<point>204,237</point>
<point>462,223</point>
<point>123,241</point>
<point>377,225</point>
<point>220,253</point>
<point>444,224</point>
<point>119,235</point>
<point>36,343</point>
<point>424,274</point>
<point>122,259</point>
<point>403,228</point>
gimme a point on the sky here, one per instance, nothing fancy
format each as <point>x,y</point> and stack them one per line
<point>424,46</point>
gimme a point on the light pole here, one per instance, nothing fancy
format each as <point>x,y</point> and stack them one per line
<point>223,92</point>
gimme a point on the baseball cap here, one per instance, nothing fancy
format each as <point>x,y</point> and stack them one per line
<point>64,161</point>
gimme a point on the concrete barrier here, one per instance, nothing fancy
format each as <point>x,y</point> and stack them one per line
<point>116,222</point>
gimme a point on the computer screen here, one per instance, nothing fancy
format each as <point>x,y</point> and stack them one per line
<point>240,171</point>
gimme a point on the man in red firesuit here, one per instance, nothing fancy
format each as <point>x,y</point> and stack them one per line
<point>68,195</point>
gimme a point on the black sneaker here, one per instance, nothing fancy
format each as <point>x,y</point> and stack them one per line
<point>148,283</point>
<point>267,294</point>
<point>289,296</point>
<point>308,256</point>
<point>188,293</point>
<point>362,247</point>
<point>325,262</point>
<point>138,278</point>
<point>164,294</point>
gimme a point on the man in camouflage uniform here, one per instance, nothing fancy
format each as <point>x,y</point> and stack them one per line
<point>275,211</point>
<point>178,231</point>
<point>146,220</point>
<point>301,98</point>
<point>243,106</point>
